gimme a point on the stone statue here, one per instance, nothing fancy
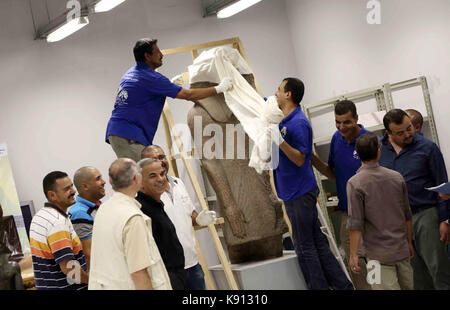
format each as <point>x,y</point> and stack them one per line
<point>254,222</point>
<point>10,275</point>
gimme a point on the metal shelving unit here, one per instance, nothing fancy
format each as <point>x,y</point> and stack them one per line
<point>384,102</point>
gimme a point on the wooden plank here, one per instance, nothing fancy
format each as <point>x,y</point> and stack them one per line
<point>209,282</point>
<point>218,245</point>
<point>194,54</point>
<point>244,55</point>
<point>286,218</point>
<point>190,48</point>
<point>219,221</point>
<point>173,169</point>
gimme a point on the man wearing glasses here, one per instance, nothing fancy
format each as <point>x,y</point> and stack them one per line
<point>421,164</point>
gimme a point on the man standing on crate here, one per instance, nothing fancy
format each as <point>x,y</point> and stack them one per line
<point>140,101</point>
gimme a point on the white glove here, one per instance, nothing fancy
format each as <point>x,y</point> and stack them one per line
<point>225,85</point>
<point>206,217</point>
<point>177,80</point>
<point>275,134</point>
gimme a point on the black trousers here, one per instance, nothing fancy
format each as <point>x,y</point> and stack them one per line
<point>177,278</point>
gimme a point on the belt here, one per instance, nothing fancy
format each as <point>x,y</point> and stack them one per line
<point>418,209</point>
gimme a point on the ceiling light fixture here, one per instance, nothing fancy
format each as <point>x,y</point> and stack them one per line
<point>106,5</point>
<point>67,29</point>
<point>236,8</point>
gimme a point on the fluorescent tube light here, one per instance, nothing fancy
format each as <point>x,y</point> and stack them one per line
<point>106,5</point>
<point>236,8</point>
<point>67,29</point>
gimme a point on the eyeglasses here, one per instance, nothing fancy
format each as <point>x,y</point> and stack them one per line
<point>161,157</point>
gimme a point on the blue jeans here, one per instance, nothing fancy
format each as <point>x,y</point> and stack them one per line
<point>320,268</point>
<point>195,278</point>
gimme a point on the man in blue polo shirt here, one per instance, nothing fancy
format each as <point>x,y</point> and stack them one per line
<point>421,164</point>
<point>140,101</point>
<point>91,188</point>
<point>343,162</point>
<point>297,187</point>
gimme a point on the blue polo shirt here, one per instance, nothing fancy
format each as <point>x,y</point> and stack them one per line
<point>422,165</point>
<point>345,162</point>
<point>291,181</point>
<point>139,103</point>
<point>82,214</point>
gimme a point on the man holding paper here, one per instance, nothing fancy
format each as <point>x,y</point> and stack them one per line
<point>421,164</point>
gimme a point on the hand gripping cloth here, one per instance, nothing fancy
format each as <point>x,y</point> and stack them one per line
<point>254,114</point>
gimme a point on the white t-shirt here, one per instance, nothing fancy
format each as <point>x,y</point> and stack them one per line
<point>179,208</point>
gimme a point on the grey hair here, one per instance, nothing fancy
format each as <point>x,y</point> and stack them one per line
<point>146,161</point>
<point>149,149</point>
<point>81,176</point>
<point>122,172</point>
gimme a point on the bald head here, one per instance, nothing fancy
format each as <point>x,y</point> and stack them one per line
<point>416,119</point>
<point>148,150</point>
<point>122,172</point>
<point>81,176</point>
<point>89,183</point>
<point>156,152</point>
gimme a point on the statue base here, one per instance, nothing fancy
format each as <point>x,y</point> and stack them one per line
<point>282,273</point>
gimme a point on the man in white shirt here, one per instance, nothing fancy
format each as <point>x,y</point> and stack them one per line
<point>124,254</point>
<point>183,215</point>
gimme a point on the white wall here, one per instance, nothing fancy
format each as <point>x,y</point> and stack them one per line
<point>337,51</point>
<point>57,98</point>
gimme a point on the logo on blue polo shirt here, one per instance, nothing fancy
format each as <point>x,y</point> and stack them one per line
<point>283,131</point>
<point>355,155</point>
<point>122,96</point>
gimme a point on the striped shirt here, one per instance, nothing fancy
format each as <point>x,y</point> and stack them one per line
<point>52,241</point>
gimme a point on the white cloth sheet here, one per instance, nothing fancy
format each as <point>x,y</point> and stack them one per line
<point>247,105</point>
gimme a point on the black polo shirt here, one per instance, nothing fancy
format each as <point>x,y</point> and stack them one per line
<point>164,232</point>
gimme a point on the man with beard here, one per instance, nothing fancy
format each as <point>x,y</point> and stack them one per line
<point>91,188</point>
<point>421,164</point>
<point>58,258</point>
<point>140,101</point>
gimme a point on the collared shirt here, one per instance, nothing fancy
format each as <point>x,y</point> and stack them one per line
<point>139,103</point>
<point>179,208</point>
<point>378,207</point>
<point>53,241</point>
<point>291,181</point>
<point>421,164</point>
<point>82,214</point>
<point>164,232</point>
<point>345,161</point>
